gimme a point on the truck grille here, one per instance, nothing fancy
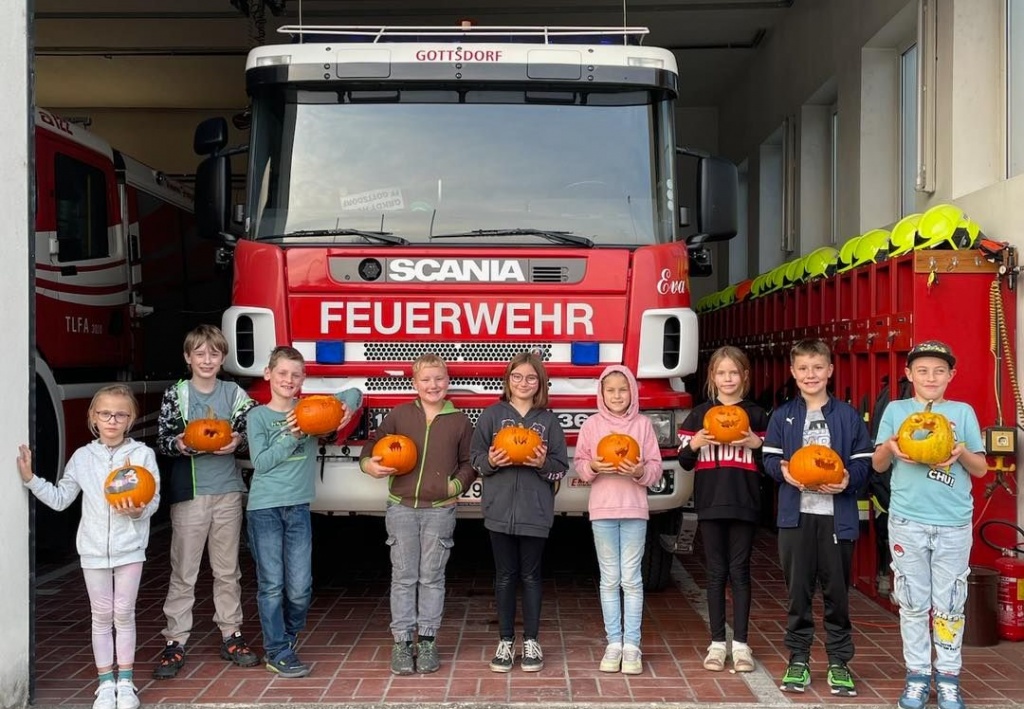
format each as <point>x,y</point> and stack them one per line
<point>404,384</point>
<point>453,351</point>
<point>374,416</point>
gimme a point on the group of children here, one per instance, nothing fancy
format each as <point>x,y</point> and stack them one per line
<point>930,514</point>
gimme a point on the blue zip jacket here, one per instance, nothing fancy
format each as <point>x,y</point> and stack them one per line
<point>850,440</point>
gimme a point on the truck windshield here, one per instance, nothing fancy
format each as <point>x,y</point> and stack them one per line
<point>327,165</point>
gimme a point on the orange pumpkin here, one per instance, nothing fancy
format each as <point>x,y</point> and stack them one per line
<point>926,437</point>
<point>207,435</point>
<point>319,414</point>
<point>519,442</point>
<point>396,451</point>
<point>130,482</point>
<point>815,465</point>
<point>616,448</point>
<point>726,423</point>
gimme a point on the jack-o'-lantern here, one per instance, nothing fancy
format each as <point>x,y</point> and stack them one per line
<point>396,451</point>
<point>815,465</point>
<point>519,442</point>
<point>616,448</point>
<point>319,414</point>
<point>130,482</point>
<point>726,423</point>
<point>207,435</point>
<point>926,437</point>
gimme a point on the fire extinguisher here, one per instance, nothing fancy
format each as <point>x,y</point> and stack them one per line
<point>1011,583</point>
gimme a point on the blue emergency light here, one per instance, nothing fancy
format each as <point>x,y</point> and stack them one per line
<point>585,353</point>
<point>330,352</point>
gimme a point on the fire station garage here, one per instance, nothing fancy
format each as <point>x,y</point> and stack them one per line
<point>832,189</point>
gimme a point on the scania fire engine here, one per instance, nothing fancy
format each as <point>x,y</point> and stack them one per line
<point>468,192</point>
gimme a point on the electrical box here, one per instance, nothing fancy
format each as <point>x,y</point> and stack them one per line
<point>1000,440</point>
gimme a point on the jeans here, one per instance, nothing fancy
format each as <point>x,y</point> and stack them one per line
<point>281,540</point>
<point>517,557</point>
<point>727,547</point>
<point>931,565</point>
<point>620,551</point>
<point>421,542</point>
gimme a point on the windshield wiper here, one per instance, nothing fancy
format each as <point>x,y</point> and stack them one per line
<point>385,237</point>
<point>564,237</point>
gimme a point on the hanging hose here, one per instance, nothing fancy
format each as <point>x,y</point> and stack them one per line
<point>998,331</point>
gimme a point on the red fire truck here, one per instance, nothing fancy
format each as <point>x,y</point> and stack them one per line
<point>471,192</point>
<point>120,276</point>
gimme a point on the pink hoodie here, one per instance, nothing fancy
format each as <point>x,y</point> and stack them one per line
<point>618,496</point>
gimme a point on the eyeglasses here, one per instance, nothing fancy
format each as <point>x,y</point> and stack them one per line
<point>517,378</point>
<point>108,416</point>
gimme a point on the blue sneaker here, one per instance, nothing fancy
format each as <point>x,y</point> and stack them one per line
<point>915,692</point>
<point>287,664</point>
<point>947,687</point>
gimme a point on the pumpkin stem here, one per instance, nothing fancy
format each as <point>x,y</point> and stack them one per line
<point>928,406</point>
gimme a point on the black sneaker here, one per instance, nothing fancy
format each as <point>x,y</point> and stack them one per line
<point>427,659</point>
<point>287,664</point>
<point>235,649</point>
<point>797,677</point>
<point>533,658</point>
<point>504,656</point>
<point>172,659</point>
<point>401,659</point>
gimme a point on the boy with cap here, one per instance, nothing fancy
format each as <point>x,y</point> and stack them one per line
<point>930,535</point>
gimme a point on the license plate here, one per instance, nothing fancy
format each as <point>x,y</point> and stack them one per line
<point>473,494</point>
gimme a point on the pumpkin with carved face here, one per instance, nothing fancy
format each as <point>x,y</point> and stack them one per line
<point>130,482</point>
<point>319,414</point>
<point>208,434</point>
<point>396,451</point>
<point>815,465</point>
<point>616,448</point>
<point>726,423</point>
<point>926,437</point>
<point>518,441</point>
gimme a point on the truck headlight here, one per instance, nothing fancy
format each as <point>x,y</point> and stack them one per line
<point>664,423</point>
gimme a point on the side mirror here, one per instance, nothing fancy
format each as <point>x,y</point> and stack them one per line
<point>213,179</point>
<point>717,198</point>
<point>700,261</point>
<point>211,136</point>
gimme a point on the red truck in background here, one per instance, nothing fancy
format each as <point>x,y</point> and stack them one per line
<point>474,193</point>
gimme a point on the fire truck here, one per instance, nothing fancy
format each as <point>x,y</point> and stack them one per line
<point>120,276</point>
<point>473,193</point>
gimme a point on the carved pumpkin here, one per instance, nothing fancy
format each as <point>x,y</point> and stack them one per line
<point>815,465</point>
<point>726,423</point>
<point>130,482</point>
<point>396,451</point>
<point>926,437</point>
<point>518,442</point>
<point>319,414</point>
<point>616,448</point>
<point>208,434</point>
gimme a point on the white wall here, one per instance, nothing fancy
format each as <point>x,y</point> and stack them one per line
<point>14,322</point>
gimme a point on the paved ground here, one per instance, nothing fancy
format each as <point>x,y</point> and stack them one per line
<point>348,642</point>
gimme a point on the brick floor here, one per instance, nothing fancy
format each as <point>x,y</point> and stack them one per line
<point>348,642</point>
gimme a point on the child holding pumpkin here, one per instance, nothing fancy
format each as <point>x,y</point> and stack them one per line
<point>930,515</point>
<point>818,523</point>
<point>519,499</point>
<point>277,513</point>
<point>619,511</point>
<point>420,515</point>
<point>721,440</point>
<point>112,535</point>
<point>201,426</point>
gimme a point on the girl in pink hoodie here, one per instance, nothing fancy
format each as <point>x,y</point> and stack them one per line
<point>618,512</point>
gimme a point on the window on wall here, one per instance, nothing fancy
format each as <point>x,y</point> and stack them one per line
<point>81,195</point>
<point>1015,86</point>
<point>908,129</point>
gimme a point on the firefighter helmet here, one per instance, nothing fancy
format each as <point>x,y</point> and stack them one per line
<point>847,255</point>
<point>820,263</point>
<point>872,246</point>
<point>743,290</point>
<point>794,272</point>
<point>946,226</point>
<point>903,235</point>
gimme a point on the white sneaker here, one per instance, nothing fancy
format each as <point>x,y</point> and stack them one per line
<point>106,696</point>
<point>631,662</point>
<point>742,657</point>
<point>127,695</point>
<point>612,659</point>
<point>715,659</point>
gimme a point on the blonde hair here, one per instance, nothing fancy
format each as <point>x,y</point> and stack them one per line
<point>739,358</point>
<point>117,390</point>
<point>810,347</point>
<point>285,352</point>
<point>428,359</point>
<point>206,335</point>
<point>540,398</point>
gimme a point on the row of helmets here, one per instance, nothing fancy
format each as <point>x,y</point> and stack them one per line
<point>944,226</point>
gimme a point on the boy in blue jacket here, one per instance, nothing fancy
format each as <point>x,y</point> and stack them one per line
<point>817,527</point>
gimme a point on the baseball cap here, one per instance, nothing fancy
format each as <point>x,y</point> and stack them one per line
<point>932,348</point>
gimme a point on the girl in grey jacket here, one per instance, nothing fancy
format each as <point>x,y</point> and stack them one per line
<point>112,539</point>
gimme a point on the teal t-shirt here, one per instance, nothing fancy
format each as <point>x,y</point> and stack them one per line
<point>214,474</point>
<point>923,494</point>
<point>284,467</point>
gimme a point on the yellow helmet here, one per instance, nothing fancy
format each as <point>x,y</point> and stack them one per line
<point>758,286</point>
<point>776,277</point>
<point>729,295</point>
<point>946,226</point>
<point>847,255</point>
<point>904,235</point>
<point>794,272</point>
<point>872,246</point>
<point>820,263</point>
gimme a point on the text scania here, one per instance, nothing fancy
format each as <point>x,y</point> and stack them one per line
<point>459,54</point>
<point>429,270</point>
<point>449,319</point>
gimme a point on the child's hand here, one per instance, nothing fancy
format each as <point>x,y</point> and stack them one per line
<point>293,425</point>
<point>750,440</point>
<point>632,470</point>
<point>128,509</point>
<point>788,478</point>
<point>230,448</point>
<point>958,450</point>
<point>835,488</point>
<point>892,445</point>
<point>374,469</point>
<point>179,443</point>
<point>25,463</point>
<point>540,454</point>
<point>498,457</point>
<point>599,466</point>
<point>702,438</point>
<point>346,418</point>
